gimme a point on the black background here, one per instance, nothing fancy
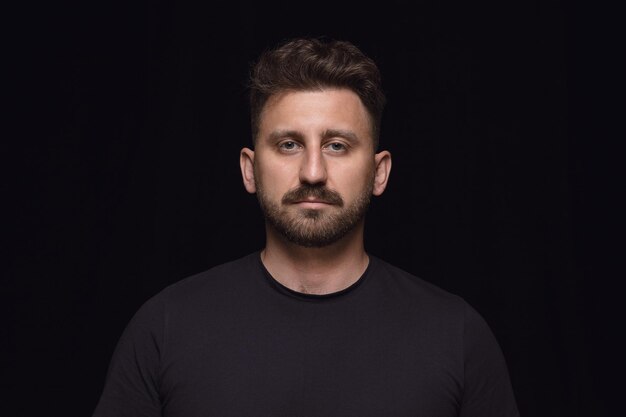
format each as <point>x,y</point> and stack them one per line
<point>124,176</point>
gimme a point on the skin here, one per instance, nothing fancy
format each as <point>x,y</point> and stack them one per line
<point>318,138</point>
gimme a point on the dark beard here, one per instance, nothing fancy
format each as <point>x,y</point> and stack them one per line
<point>314,228</point>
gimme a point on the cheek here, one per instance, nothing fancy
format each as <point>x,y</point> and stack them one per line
<point>351,182</point>
<point>275,179</point>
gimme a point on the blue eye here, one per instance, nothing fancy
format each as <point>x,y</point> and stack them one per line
<point>335,146</point>
<point>288,145</point>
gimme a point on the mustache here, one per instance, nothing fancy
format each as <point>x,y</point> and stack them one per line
<point>318,192</point>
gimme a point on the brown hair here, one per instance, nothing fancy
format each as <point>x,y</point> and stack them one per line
<point>315,64</point>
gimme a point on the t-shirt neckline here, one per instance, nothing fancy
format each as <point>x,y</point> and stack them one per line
<point>315,297</point>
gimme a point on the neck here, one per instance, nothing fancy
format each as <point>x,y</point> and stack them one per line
<point>316,270</point>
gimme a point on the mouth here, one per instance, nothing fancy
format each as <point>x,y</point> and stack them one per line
<point>308,196</point>
<point>312,203</point>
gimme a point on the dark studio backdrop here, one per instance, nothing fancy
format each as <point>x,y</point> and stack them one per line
<point>128,179</point>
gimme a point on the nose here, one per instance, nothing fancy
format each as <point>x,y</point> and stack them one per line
<point>313,167</point>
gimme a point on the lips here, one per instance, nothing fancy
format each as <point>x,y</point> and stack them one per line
<point>313,201</point>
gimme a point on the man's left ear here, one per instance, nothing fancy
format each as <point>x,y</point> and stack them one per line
<point>382,167</point>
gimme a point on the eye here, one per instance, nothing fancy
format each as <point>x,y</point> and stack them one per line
<point>337,147</point>
<point>288,145</point>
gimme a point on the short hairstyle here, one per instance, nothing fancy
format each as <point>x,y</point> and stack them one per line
<point>316,64</point>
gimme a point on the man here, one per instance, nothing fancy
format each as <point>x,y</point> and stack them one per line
<point>312,325</point>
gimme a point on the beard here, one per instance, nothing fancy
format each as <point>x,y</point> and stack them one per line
<point>313,228</point>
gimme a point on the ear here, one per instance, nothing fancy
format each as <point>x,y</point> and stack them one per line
<point>246,161</point>
<point>382,168</point>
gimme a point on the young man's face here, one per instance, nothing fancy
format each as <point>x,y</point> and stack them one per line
<point>314,167</point>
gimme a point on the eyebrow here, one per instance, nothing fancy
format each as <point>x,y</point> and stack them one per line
<point>328,133</point>
<point>341,133</point>
<point>281,134</point>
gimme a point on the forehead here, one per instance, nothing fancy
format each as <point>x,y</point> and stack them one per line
<point>317,109</point>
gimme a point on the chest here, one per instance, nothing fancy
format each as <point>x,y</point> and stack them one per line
<point>312,364</point>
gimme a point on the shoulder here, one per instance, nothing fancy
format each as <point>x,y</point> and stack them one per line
<point>417,289</point>
<point>219,282</point>
<point>429,302</point>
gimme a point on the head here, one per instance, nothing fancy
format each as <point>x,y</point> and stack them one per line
<point>316,110</point>
<point>314,65</point>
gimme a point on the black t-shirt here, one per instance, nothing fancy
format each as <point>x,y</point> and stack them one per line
<point>233,341</point>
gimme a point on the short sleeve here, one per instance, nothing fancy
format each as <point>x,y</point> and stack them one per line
<point>487,386</point>
<point>132,383</point>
